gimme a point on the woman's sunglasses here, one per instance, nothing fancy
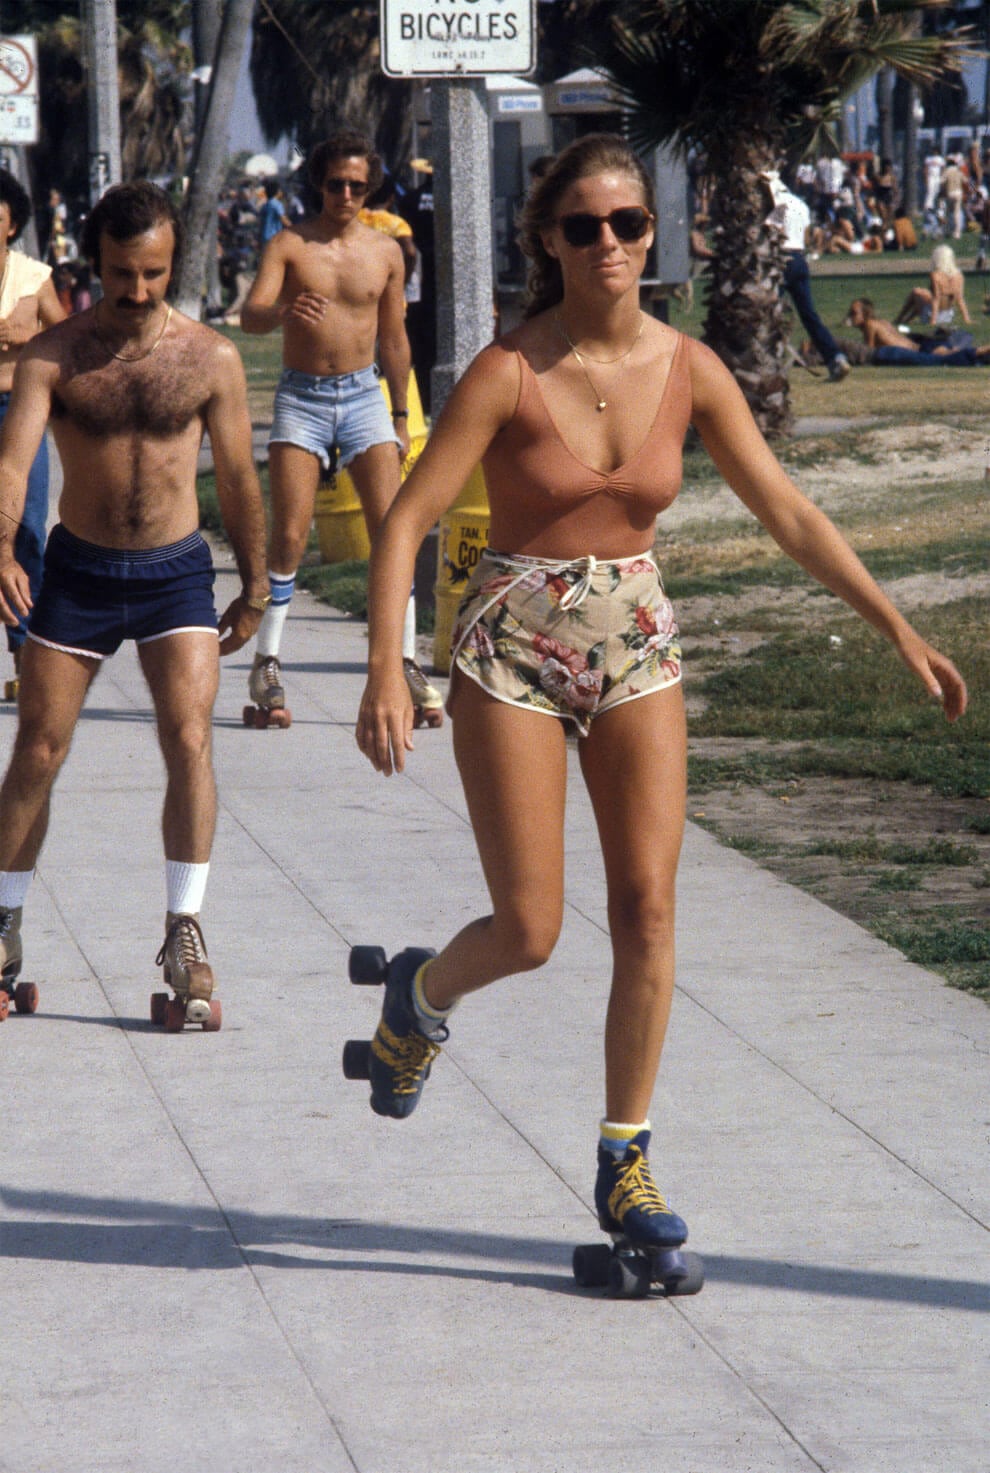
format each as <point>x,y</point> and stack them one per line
<point>629,223</point>
<point>337,186</point>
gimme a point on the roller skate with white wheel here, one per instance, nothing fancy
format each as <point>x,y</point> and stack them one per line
<point>398,1059</point>
<point>647,1235</point>
<point>427,700</point>
<point>24,995</point>
<point>188,972</point>
<point>268,694</point>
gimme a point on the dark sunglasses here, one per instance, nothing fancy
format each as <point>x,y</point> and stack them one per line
<point>337,186</point>
<point>629,223</point>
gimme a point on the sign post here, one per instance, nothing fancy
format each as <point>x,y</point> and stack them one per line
<point>457,43</point>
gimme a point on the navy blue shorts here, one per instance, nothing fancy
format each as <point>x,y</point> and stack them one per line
<point>93,598</point>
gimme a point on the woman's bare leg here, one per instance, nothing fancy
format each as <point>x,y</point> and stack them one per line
<point>513,764</point>
<point>635,765</point>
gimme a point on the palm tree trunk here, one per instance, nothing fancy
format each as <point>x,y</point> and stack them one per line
<point>745,324</point>
<point>210,157</point>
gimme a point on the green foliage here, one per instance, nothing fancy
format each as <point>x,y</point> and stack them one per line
<point>703,72</point>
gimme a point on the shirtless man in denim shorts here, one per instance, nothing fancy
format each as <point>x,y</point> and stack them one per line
<point>129,387</point>
<point>334,286</point>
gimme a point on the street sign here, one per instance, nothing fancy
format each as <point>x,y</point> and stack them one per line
<point>458,38</point>
<point>18,89</point>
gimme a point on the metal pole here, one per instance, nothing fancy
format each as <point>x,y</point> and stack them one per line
<point>465,277</point>
<point>102,92</point>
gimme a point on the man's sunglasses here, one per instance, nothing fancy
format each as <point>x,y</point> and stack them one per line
<point>629,223</point>
<point>337,186</point>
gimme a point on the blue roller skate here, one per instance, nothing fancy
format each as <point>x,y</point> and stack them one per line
<point>398,1059</point>
<point>646,1235</point>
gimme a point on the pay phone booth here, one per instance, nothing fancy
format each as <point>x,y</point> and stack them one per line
<point>526,122</point>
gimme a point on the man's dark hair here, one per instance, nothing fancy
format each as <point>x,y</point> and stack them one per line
<point>18,201</point>
<point>346,143</point>
<point>271,187</point>
<point>127,211</point>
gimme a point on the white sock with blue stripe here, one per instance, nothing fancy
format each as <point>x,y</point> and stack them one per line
<point>283,586</point>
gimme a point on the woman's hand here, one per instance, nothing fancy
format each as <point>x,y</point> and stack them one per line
<point>385,722</point>
<point>938,675</point>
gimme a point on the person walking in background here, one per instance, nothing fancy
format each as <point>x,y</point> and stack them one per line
<point>129,386</point>
<point>565,621</point>
<point>28,302</point>
<point>334,287</point>
<point>271,218</point>
<point>791,217</point>
<point>954,192</point>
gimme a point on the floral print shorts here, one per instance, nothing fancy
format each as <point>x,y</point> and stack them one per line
<point>570,639</point>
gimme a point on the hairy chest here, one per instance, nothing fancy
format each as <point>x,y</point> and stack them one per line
<point>159,396</point>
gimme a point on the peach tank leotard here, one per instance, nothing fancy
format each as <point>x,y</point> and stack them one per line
<point>541,494</point>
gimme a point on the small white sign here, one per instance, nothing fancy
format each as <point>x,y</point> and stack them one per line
<point>458,38</point>
<point>520,102</point>
<point>18,89</point>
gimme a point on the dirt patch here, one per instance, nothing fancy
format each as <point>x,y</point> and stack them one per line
<point>894,857</point>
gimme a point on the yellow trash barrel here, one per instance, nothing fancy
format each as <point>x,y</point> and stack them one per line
<point>463,538</point>
<point>340,526</point>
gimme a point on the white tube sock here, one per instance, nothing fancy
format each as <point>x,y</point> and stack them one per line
<point>14,886</point>
<point>185,886</point>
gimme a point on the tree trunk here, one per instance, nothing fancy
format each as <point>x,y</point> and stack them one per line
<point>209,160</point>
<point>885,112</point>
<point>207,16</point>
<point>745,324</point>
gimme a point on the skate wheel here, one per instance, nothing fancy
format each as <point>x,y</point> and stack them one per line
<point>591,1265</point>
<point>690,1281</point>
<point>355,1060</point>
<point>4,1003</point>
<point>175,1015</point>
<point>213,1022</point>
<point>10,689</point>
<point>159,1008</point>
<point>26,997</point>
<point>629,1276</point>
<point>367,965</point>
<point>280,717</point>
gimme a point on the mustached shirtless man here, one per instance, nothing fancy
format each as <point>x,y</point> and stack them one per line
<point>334,287</point>
<point>129,387</point>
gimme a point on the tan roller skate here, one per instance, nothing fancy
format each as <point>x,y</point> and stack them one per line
<point>12,687</point>
<point>266,691</point>
<point>190,976</point>
<point>24,995</point>
<point>426,699</point>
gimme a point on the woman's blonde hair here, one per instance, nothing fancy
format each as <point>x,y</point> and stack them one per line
<point>944,258</point>
<point>596,153</point>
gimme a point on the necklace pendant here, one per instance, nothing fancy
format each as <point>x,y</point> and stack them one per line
<point>601,405</point>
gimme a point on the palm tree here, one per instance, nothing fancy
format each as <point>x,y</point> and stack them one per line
<point>752,86</point>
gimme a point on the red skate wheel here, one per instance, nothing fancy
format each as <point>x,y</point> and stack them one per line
<point>175,1015</point>
<point>26,997</point>
<point>212,1023</point>
<point>159,1007</point>
<point>281,717</point>
<point>253,716</point>
<point>4,1003</point>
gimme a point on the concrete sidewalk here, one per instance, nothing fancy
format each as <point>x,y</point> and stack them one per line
<point>217,1258</point>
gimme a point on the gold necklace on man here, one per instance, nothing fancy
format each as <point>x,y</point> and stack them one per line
<point>132,357</point>
<point>600,402</point>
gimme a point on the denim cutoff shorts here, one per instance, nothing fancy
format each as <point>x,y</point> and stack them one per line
<point>343,414</point>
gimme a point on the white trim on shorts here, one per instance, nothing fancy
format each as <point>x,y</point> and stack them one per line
<point>71,649</point>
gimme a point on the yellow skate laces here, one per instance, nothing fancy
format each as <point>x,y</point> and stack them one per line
<point>409,1058</point>
<point>635,1188</point>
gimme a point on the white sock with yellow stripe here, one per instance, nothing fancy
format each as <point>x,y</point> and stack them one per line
<point>615,1136</point>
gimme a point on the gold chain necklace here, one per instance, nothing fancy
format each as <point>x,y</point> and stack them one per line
<point>135,357</point>
<point>600,403</point>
